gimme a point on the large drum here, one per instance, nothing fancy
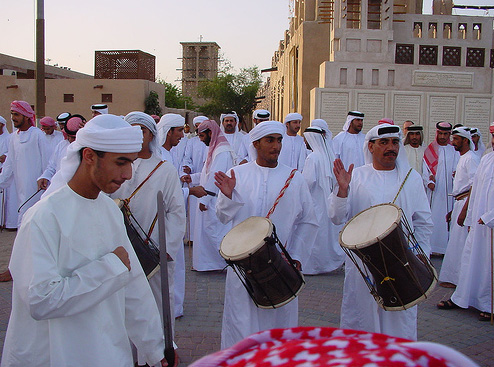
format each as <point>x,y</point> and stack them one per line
<point>147,252</point>
<point>253,250</point>
<point>381,238</point>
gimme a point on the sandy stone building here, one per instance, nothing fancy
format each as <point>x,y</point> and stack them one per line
<point>387,59</point>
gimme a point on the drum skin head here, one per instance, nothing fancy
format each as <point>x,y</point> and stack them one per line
<point>370,225</point>
<point>245,238</point>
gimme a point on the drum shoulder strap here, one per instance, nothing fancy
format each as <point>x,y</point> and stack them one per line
<point>144,181</point>
<point>402,184</point>
<point>282,192</point>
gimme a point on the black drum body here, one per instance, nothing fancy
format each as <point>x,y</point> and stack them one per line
<point>270,276</point>
<point>400,280</point>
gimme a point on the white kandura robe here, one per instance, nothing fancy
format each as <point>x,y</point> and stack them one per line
<point>179,281</point>
<point>474,285</point>
<point>74,303</point>
<point>178,153</point>
<point>8,196</point>
<point>415,157</point>
<point>209,231</point>
<point>440,202</point>
<point>465,172</point>
<point>327,254</point>
<point>293,152</point>
<point>255,191</point>
<point>52,141</point>
<point>25,162</point>
<point>349,148</point>
<point>368,187</point>
<point>237,145</point>
<point>55,160</point>
<point>195,156</point>
<point>143,206</point>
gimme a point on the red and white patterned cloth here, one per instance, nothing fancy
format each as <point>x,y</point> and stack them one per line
<point>324,346</point>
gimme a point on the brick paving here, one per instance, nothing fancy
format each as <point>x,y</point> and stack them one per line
<point>198,332</point>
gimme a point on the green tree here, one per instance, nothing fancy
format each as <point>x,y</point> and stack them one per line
<point>152,104</point>
<point>174,97</point>
<point>231,92</point>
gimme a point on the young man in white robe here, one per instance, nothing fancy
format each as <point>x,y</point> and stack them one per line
<point>251,190</point>
<point>25,162</point>
<point>348,143</point>
<point>209,231</point>
<point>414,148</point>
<point>462,183</point>
<point>52,136</point>
<point>293,151</point>
<point>327,254</point>
<point>440,160</point>
<point>8,196</point>
<point>143,204</point>
<point>477,140</point>
<point>377,182</point>
<point>229,127</point>
<point>475,278</point>
<point>80,295</point>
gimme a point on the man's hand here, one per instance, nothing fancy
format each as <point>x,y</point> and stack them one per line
<point>186,169</point>
<point>123,255</point>
<point>343,177</point>
<point>3,158</point>
<point>197,191</point>
<point>481,221</point>
<point>186,179</point>
<point>448,217</point>
<point>431,186</point>
<point>224,183</point>
<point>43,184</point>
<point>202,207</point>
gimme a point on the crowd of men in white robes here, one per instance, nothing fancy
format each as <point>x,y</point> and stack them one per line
<point>217,176</point>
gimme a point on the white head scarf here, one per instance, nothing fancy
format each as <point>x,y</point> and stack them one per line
<point>166,123</point>
<point>106,133</point>
<point>481,149</point>
<point>101,108</point>
<point>4,122</point>
<point>320,123</point>
<point>316,137</point>
<point>293,117</point>
<point>223,116</point>
<point>261,130</point>
<point>387,131</point>
<point>141,118</point>
<point>464,132</point>
<point>352,115</point>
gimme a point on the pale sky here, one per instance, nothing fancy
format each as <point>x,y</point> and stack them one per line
<point>248,31</point>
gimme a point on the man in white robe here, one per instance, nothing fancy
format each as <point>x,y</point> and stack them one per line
<point>143,203</point>
<point>379,181</point>
<point>475,279</point>
<point>251,190</point>
<point>293,151</point>
<point>80,295</point>
<point>414,148</point>
<point>229,127</point>
<point>464,174</point>
<point>440,160</point>
<point>477,140</point>
<point>209,231</point>
<point>25,162</point>
<point>52,135</point>
<point>70,129</point>
<point>348,143</point>
<point>8,196</point>
<point>327,254</point>
<point>258,116</point>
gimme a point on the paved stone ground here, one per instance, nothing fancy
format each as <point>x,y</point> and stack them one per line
<point>198,332</point>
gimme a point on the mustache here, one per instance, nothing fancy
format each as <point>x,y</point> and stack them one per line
<point>391,153</point>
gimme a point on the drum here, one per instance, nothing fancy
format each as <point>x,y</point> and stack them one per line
<point>147,253</point>
<point>381,238</point>
<point>270,276</point>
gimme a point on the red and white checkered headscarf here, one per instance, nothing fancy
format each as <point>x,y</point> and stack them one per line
<point>218,142</point>
<point>325,346</point>
<point>24,109</point>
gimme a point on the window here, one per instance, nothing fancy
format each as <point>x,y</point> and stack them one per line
<point>374,14</point>
<point>428,55</point>
<point>404,54</point>
<point>68,98</point>
<point>353,14</point>
<point>447,30</point>
<point>451,56</point>
<point>475,57</point>
<point>106,97</point>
